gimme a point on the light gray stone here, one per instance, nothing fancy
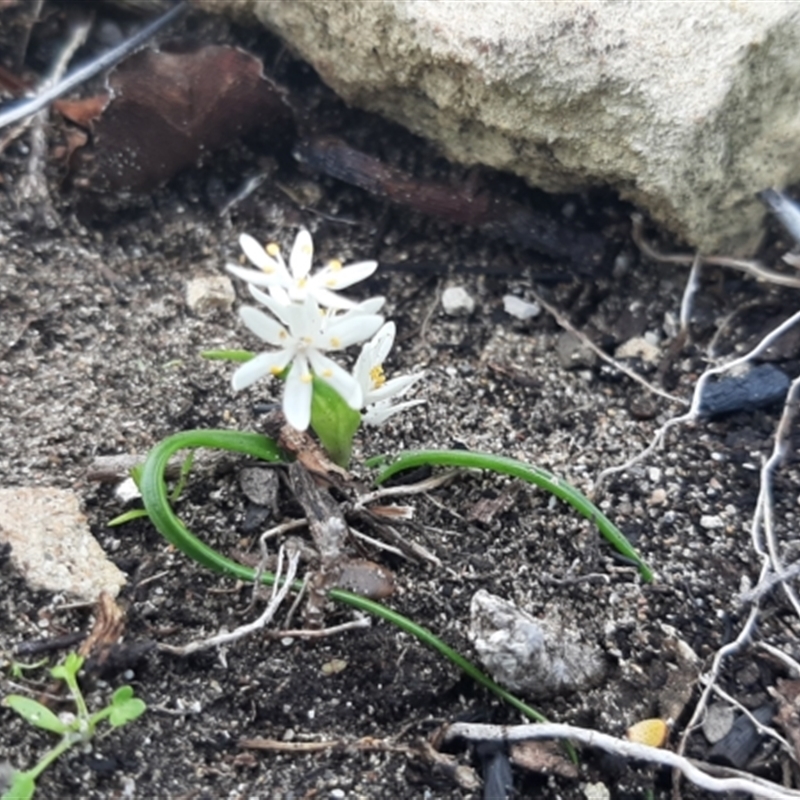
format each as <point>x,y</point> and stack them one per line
<point>210,292</point>
<point>519,308</point>
<point>687,109</point>
<point>541,657</point>
<point>52,546</point>
<point>457,302</point>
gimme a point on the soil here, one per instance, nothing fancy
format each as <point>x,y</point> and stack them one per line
<point>101,356</point>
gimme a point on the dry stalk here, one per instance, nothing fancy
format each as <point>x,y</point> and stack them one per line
<point>623,748</point>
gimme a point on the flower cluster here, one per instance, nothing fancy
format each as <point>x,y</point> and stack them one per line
<point>308,320</point>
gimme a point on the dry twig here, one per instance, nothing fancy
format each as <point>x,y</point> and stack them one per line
<point>623,748</point>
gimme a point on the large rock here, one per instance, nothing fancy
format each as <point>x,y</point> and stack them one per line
<point>687,109</point>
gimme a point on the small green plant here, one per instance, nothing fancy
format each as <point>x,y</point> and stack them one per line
<point>122,709</point>
<point>302,319</point>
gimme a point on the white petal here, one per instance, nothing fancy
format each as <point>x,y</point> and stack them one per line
<point>257,255</point>
<point>393,388</point>
<point>282,311</point>
<point>330,299</point>
<point>341,277</point>
<point>262,297</point>
<point>256,368</point>
<point>345,331</point>
<point>382,343</point>
<point>265,327</point>
<point>305,320</point>
<point>252,275</point>
<point>378,414</point>
<point>302,255</point>
<point>363,369</point>
<point>371,306</point>
<point>297,395</point>
<point>338,378</point>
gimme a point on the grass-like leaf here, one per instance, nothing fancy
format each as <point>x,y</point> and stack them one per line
<point>156,501</point>
<point>536,475</point>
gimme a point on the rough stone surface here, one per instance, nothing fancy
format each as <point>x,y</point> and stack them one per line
<point>51,543</point>
<point>540,656</point>
<point>687,110</point>
<point>208,293</point>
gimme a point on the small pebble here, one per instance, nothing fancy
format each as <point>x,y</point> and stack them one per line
<point>519,308</point>
<point>573,353</point>
<point>208,293</point>
<point>758,387</point>
<point>639,347</point>
<point>457,302</point>
<point>711,522</point>
<point>596,791</point>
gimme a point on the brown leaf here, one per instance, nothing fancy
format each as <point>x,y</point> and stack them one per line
<point>83,112</point>
<point>545,757</point>
<point>169,109</point>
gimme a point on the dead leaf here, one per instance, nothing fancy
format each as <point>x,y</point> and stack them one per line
<point>107,630</point>
<point>169,109</point>
<point>546,758</point>
<point>83,112</point>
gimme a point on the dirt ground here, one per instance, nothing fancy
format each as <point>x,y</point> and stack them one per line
<point>100,355</point>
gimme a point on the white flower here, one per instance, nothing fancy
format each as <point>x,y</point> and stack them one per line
<point>293,284</point>
<point>377,391</point>
<point>304,335</point>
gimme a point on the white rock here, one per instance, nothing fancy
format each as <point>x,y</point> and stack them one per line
<point>711,522</point>
<point>686,109</point>
<point>456,302</point>
<point>718,720</point>
<point>52,546</point>
<point>596,791</point>
<point>639,347</point>
<point>542,657</point>
<point>127,491</point>
<point>208,293</point>
<point>519,308</point>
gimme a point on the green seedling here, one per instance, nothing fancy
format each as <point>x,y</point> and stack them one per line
<point>122,709</point>
<point>17,669</point>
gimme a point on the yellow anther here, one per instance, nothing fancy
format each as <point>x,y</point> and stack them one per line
<point>327,373</point>
<point>273,250</point>
<point>377,377</point>
<point>336,342</point>
<point>307,377</point>
<point>335,265</point>
<point>302,283</point>
<point>275,371</point>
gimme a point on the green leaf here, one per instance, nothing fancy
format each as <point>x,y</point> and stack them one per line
<point>126,710</point>
<point>237,356</point>
<point>470,459</point>
<point>333,421</point>
<point>128,516</point>
<point>136,474</point>
<point>154,495</point>
<point>186,468</point>
<point>122,695</point>
<point>33,712</point>
<point>22,787</point>
<point>68,671</point>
